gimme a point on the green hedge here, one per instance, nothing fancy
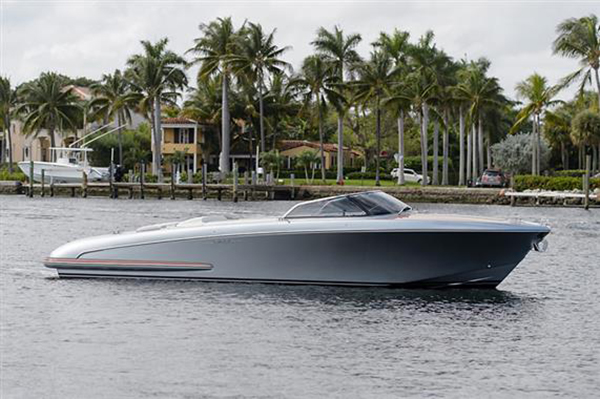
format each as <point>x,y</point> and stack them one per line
<point>367,176</point>
<point>569,173</point>
<point>552,183</point>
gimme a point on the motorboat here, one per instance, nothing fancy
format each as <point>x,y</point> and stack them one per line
<point>68,167</point>
<point>70,163</point>
<point>361,239</point>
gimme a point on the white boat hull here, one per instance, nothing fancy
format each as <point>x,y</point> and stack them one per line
<point>63,173</point>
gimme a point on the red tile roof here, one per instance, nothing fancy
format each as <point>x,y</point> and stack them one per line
<point>178,121</point>
<point>285,145</point>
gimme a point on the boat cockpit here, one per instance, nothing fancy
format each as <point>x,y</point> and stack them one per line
<point>368,203</point>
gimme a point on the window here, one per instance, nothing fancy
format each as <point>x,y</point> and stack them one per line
<point>183,135</point>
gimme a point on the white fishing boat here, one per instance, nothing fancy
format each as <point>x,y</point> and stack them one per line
<point>68,167</point>
<point>69,163</point>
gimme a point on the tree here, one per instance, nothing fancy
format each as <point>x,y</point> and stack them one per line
<point>539,97</point>
<point>580,38</point>
<point>586,131</point>
<point>479,93</point>
<point>272,160</point>
<point>557,129</point>
<point>513,154</point>
<point>114,100</point>
<point>258,56</point>
<point>398,47</point>
<point>156,75</point>
<point>46,104</point>
<point>317,83</point>
<point>203,104</point>
<point>8,104</point>
<point>375,80</point>
<point>214,49</point>
<point>340,50</point>
<point>306,160</point>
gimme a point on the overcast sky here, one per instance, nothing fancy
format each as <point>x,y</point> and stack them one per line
<point>89,38</point>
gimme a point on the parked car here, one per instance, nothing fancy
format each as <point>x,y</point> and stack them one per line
<point>492,178</point>
<point>409,175</point>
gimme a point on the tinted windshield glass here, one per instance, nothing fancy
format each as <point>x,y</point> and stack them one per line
<point>379,203</point>
<point>364,204</point>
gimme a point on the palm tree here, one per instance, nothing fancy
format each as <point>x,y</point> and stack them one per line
<point>586,131</point>
<point>46,104</point>
<point>376,77</point>
<point>398,47</point>
<point>280,104</point>
<point>317,85</point>
<point>580,38</point>
<point>539,96</point>
<point>156,75</point>
<point>340,50</point>
<point>258,56</point>
<point>557,129</point>
<point>114,100</point>
<point>306,160</point>
<point>8,104</point>
<point>480,93</point>
<point>203,104</point>
<point>214,49</point>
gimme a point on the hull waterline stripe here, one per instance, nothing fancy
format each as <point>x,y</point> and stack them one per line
<point>124,264</point>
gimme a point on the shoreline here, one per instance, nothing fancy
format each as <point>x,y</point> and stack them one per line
<point>228,192</point>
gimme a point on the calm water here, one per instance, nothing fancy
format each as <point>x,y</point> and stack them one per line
<point>537,335</point>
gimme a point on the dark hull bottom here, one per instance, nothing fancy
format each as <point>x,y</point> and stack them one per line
<point>487,284</point>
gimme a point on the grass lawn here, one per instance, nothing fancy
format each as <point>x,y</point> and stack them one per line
<point>347,182</point>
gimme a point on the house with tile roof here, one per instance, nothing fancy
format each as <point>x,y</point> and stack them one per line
<point>290,149</point>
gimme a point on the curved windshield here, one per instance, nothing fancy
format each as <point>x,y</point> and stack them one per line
<point>371,203</point>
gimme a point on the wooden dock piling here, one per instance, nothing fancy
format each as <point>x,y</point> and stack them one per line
<point>30,193</point>
<point>84,185</point>
<point>142,177</point>
<point>43,189</point>
<point>586,182</point>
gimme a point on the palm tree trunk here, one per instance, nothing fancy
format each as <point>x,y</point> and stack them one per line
<point>9,149</point>
<point>436,134</point>
<point>424,125</point>
<point>445,150</point>
<point>401,148</point>
<point>340,152</point>
<point>321,142</point>
<point>461,145</point>
<point>157,139</point>
<point>378,137</point>
<point>475,167</point>
<point>597,84</point>
<point>488,149</point>
<point>224,159</point>
<point>562,155</point>
<point>480,143</point>
<point>261,112</point>
<point>120,137</point>
<point>533,148</point>
<point>538,147</point>
<point>2,153</point>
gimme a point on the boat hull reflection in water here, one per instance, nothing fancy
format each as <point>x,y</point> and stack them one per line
<point>366,239</point>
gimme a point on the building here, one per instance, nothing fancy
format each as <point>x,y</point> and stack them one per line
<point>36,146</point>
<point>186,136</point>
<point>290,149</point>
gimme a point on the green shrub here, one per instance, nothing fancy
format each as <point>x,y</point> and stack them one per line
<point>569,173</point>
<point>367,176</point>
<point>16,175</point>
<point>551,183</point>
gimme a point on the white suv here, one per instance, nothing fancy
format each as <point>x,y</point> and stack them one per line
<point>409,175</point>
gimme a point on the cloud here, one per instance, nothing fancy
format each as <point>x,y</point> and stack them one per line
<point>89,38</point>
